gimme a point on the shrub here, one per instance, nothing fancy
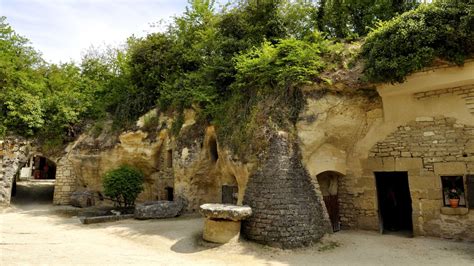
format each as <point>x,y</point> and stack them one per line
<point>415,39</point>
<point>123,185</point>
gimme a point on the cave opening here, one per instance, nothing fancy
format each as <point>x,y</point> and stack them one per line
<point>213,149</point>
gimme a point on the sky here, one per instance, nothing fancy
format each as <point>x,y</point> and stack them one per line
<point>62,30</point>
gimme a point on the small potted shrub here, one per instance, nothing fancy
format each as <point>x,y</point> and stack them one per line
<point>454,195</point>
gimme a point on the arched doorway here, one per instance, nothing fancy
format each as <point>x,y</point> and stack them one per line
<point>328,183</point>
<point>35,182</point>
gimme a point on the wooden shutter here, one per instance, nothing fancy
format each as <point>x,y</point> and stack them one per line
<point>470,191</point>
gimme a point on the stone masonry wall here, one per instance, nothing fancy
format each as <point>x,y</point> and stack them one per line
<point>286,210</point>
<point>13,153</point>
<point>465,92</point>
<point>426,149</point>
<point>65,182</point>
<point>435,140</point>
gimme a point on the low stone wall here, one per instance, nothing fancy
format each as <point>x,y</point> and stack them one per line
<point>286,210</point>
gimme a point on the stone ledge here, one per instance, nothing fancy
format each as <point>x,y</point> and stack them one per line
<point>454,211</point>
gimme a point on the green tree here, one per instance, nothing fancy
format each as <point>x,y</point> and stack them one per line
<point>21,84</point>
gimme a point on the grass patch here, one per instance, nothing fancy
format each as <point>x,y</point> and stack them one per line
<point>330,245</point>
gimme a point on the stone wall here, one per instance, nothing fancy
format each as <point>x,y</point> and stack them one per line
<point>433,139</point>
<point>65,183</point>
<point>426,149</point>
<point>286,210</point>
<point>465,92</point>
<point>13,154</point>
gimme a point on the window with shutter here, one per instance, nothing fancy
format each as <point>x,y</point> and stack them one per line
<point>470,191</point>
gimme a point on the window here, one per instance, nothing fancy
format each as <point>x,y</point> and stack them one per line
<point>453,184</point>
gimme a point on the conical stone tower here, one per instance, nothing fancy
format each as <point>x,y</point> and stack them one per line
<point>287,211</point>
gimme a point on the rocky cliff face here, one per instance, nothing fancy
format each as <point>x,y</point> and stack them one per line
<point>13,154</point>
<point>191,166</point>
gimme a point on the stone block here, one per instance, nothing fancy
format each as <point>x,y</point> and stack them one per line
<point>225,211</point>
<point>424,119</point>
<point>82,199</point>
<point>408,164</point>
<point>373,164</point>
<point>450,168</point>
<point>434,194</point>
<point>158,209</point>
<point>424,182</point>
<point>368,222</point>
<point>221,231</point>
<point>388,164</point>
<point>454,211</point>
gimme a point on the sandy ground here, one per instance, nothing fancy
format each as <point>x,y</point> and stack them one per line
<point>40,234</point>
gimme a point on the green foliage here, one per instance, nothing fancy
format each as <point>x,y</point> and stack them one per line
<point>151,122</point>
<point>38,99</point>
<point>349,18</point>
<point>123,185</point>
<point>177,124</point>
<point>413,40</point>
<point>284,65</point>
<point>266,91</point>
<point>224,63</point>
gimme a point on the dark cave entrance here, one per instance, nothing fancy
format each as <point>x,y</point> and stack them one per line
<point>213,153</point>
<point>394,202</point>
<point>35,182</point>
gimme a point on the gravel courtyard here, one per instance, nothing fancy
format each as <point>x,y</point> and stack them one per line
<point>43,234</point>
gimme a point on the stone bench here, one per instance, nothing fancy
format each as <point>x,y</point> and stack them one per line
<point>223,221</point>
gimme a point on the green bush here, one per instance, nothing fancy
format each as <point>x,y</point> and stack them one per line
<point>415,39</point>
<point>123,185</point>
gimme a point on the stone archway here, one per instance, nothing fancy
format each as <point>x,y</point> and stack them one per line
<point>328,183</point>
<point>34,182</point>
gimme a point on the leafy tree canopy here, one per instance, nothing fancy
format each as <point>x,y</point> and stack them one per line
<point>415,39</point>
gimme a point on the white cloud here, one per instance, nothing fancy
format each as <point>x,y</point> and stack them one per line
<point>61,30</point>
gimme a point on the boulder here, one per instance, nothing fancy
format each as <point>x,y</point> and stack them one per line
<point>158,209</point>
<point>82,199</point>
<point>225,211</point>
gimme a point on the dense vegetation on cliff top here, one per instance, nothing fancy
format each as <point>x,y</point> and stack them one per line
<point>224,62</point>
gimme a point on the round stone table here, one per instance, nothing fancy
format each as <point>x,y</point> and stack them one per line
<point>223,221</point>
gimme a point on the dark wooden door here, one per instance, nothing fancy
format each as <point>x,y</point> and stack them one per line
<point>332,206</point>
<point>228,193</point>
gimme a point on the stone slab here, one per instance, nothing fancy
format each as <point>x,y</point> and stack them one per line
<point>103,219</point>
<point>225,211</point>
<point>158,209</point>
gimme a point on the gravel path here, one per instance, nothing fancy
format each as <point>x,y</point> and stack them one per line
<point>43,234</point>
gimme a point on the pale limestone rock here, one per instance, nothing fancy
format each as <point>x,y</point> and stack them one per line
<point>225,211</point>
